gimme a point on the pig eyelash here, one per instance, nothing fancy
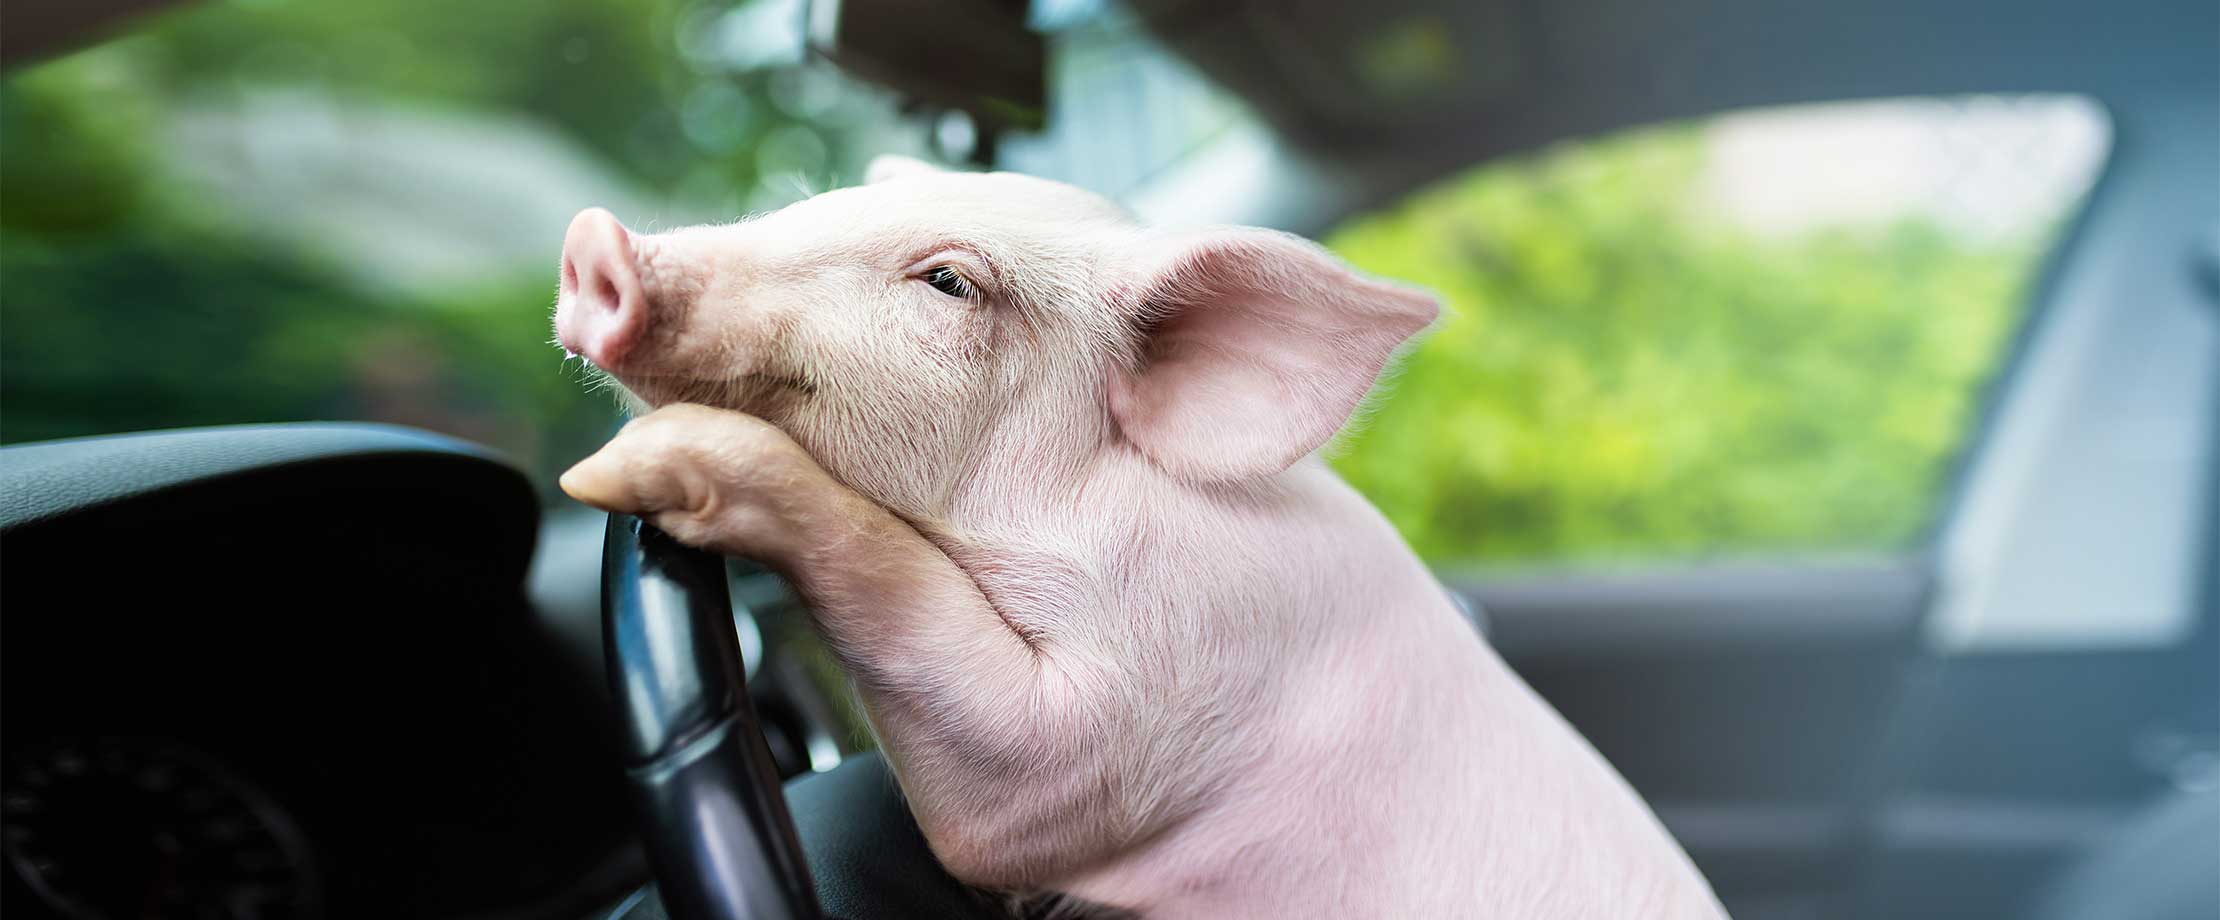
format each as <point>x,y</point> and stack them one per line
<point>947,280</point>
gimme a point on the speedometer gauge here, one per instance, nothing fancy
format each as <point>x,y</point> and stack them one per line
<point>121,830</point>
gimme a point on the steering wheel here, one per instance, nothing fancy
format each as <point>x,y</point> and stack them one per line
<point>721,833</point>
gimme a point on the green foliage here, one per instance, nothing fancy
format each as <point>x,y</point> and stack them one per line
<point>131,300</point>
<point>83,173</point>
<point>1619,375</point>
<point>605,71</point>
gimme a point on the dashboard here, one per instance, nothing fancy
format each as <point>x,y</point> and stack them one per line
<point>295,682</point>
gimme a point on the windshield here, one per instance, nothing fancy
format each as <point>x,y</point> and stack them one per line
<point>1754,333</point>
<point>261,211</point>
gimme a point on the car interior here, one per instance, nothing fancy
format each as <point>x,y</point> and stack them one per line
<point>406,703</point>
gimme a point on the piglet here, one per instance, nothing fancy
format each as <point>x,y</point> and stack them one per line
<point>1047,479</point>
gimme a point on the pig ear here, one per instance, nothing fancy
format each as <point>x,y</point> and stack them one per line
<point>887,166</point>
<point>1256,347</point>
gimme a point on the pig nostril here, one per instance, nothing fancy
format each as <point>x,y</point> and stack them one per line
<point>608,296</point>
<point>569,282</point>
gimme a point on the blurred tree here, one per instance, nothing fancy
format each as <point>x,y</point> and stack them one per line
<point>134,298</point>
<point>1619,375</point>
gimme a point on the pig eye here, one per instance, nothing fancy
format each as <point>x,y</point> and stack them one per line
<point>949,281</point>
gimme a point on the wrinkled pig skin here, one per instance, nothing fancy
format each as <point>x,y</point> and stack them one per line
<point>1047,479</point>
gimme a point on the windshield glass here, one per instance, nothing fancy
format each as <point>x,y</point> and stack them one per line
<point>265,211</point>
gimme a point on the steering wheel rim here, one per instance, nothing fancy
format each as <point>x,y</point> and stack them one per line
<point>706,792</point>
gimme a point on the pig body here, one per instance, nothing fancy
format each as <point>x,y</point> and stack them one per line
<point>1047,479</point>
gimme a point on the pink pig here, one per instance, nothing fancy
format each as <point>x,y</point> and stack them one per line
<point>1046,477</point>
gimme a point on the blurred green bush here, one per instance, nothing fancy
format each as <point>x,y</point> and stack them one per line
<point>130,299</point>
<point>1621,375</point>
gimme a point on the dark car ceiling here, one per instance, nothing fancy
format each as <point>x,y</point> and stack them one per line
<point>1397,91</point>
<point>34,29</point>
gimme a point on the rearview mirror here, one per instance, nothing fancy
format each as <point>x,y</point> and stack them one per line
<point>971,56</point>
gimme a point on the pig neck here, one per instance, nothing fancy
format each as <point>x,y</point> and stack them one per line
<point>1386,761</point>
<point>1119,542</point>
<point>1318,592</point>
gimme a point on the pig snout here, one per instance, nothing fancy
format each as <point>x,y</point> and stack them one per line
<point>602,308</point>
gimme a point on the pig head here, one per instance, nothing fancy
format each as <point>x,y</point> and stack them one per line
<point>933,328</point>
<point>1046,478</point>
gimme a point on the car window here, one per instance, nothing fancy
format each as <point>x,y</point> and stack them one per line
<point>1765,332</point>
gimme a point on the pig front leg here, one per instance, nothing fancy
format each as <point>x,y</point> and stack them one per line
<point>990,749</point>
